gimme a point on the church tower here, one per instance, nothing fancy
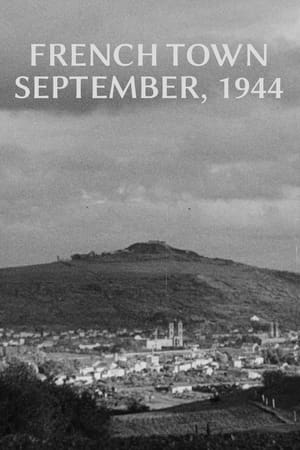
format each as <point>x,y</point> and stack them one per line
<point>180,334</point>
<point>171,331</point>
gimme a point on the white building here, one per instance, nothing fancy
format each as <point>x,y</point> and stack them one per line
<point>252,375</point>
<point>158,344</point>
<point>200,362</point>
<point>140,366</point>
<point>87,370</point>
<point>183,367</point>
<point>60,380</point>
<point>116,372</point>
<point>208,371</point>
<point>181,389</point>
<point>258,361</point>
<point>153,360</point>
<point>86,379</point>
<point>237,363</point>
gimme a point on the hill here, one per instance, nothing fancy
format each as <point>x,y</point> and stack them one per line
<point>144,285</point>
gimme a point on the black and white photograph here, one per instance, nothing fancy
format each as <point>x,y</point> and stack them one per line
<point>149,224</point>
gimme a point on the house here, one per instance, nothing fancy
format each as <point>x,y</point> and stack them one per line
<point>200,362</point>
<point>138,337</point>
<point>153,360</point>
<point>181,389</point>
<point>26,334</point>
<point>158,344</point>
<point>87,370</point>
<point>254,319</point>
<point>116,372</point>
<point>97,376</point>
<point>60,380</point>
<point>88,346</point>
<point>237,363</point>
<point>41,377</point>
<point>140,366</point>
<point>46,344</point>
<point>86,379</point>
<point>252,375</point>
<point>247,348</point>
<point>13,343</point>
<point>208,371</point>
<point>258,361</point>
<point>184,367</point>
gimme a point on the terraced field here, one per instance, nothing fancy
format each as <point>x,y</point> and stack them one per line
<point>237,418</point>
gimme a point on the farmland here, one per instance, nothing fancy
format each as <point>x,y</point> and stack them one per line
<point>277,439</point>
<point>220,420</point>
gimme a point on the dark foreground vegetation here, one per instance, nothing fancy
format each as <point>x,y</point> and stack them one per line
<point>39,415</point>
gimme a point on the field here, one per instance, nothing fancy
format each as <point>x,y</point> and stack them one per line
<point>227,420</point>
<point>278,439</point>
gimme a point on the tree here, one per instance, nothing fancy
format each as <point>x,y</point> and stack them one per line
<point>272,378</point>
<point>43,412</point>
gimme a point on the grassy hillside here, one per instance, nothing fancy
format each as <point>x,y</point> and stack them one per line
<point>145,284</point>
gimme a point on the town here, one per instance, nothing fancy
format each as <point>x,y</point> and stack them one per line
<point>136,370</point>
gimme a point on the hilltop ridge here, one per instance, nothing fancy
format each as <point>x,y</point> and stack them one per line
<point>146,284</point>
<point>152,248</point>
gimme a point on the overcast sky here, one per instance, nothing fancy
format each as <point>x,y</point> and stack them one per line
<point>222,178</point>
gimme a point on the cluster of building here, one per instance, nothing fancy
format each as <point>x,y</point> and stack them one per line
<point>88,359</point>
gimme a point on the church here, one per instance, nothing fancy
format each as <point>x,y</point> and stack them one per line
<point>173,340</point>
